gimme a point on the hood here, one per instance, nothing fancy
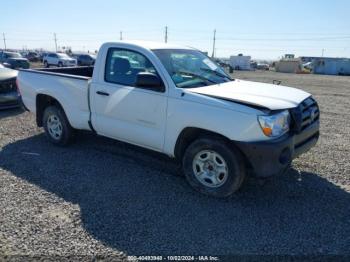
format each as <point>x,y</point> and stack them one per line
<point>6,74</point>
<point>273,97</point>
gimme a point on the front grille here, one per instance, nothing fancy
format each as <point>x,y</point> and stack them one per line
<point>7,86</point>
<point>305,115</point>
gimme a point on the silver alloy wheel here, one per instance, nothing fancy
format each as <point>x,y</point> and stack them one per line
<point>54,127</point>
<point>210,168</point>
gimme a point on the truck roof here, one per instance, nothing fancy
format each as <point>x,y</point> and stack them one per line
<point>151,45</point>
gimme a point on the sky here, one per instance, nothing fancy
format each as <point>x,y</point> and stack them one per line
<point>265,29</point>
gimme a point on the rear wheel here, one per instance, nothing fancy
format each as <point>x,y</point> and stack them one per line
<point>60,64</point>
<point>214,167</point>
<point>56,125</point>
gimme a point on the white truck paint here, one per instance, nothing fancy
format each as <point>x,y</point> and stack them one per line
<point>157,119</point>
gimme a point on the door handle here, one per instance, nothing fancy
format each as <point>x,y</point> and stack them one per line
<point>102,93</point>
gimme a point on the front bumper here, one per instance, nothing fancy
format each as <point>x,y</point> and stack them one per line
<point>273,157</point>
<point>10,100</point>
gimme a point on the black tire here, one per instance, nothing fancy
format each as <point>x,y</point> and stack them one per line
<point>234,161</point>
<point>46,64</point>
<point>67,131</point>
<point>60,64</point>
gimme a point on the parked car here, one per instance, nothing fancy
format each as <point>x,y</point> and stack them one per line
<point>177,101</point>
<point>33,57</point>
<point>262,66</point>
<point>9,96</point>
<point>253,65</point>
<point>309,66</point>
<point>59,59</point>
<point>84,59</point>
<point>13,60</point>
<point>42,55</point>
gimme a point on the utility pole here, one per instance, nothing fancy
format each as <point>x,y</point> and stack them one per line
<point>166,34</point>
<point>55,39</point>
<point>214,39</point>
<point>3,35</point>
<point>322,52</point>
<point>121,35</point>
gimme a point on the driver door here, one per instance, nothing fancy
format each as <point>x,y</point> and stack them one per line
<point>123,111</point>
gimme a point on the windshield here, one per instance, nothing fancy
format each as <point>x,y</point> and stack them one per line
<point>13,55</point>
<point>61,55</point>
<point>191,68</point>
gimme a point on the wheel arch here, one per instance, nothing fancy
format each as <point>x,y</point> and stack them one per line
<point>42,102</point>
<point>190,134</point>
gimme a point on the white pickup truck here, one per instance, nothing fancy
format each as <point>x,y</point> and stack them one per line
<point>177,101</point>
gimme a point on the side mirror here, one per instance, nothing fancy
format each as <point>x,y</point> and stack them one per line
<point>149,81</point>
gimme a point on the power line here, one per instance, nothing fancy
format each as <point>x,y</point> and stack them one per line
<point>286,39</point>
<point>227,41</point>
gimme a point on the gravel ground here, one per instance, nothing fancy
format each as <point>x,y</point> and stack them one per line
<point>102,197</point>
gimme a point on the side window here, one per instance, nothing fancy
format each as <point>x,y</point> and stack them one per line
<point>122,66</point>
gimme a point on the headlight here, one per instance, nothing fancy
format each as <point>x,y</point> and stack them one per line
<point>275,125</point>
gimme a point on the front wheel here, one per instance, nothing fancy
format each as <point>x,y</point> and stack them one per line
<point>56,125</point>
<point>214,167</point>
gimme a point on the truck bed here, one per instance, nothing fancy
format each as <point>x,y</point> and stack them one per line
<point>82,72</point>
<point>68,85</point>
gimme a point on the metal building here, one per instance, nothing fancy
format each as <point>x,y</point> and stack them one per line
<point>240,62</point>
<point>331,66</point>
<point>289,64</point>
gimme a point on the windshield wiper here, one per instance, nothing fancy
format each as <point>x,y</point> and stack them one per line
<point>216,73</point>
<point>195,75</point>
